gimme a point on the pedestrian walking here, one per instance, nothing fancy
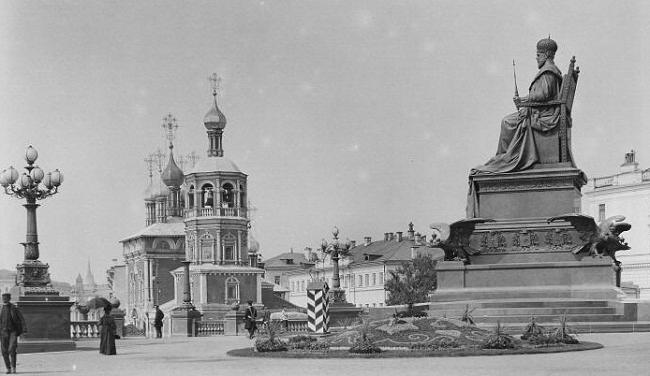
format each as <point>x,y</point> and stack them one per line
<point>249,319</point>
<point>158,322</point>
<point>107,332</point>
<point>12,325</point>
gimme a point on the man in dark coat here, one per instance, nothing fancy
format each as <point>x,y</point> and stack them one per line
<point>12,325</point>
<point>249,319</point>
<point>158,322</point>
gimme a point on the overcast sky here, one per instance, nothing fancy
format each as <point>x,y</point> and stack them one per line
<point>364,115</point>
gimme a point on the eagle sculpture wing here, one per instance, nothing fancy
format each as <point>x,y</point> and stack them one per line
<point>586,227</point>
<point>454,238</point>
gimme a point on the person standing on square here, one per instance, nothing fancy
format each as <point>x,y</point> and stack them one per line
<point>158,322</point>
<point>12,325</point>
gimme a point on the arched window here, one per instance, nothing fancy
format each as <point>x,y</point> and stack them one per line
<point>227,197</point>
<point>207,195</point>
<point>232,290</point>
<point>190,197</point>
<point>207,247</point>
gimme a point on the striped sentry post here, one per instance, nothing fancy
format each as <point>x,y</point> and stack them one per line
<point>317,312</point>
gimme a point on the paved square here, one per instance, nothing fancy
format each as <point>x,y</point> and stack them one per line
<point>624,354</point>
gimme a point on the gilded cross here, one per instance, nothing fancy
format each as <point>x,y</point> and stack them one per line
<point>149,160</point>
<point>170,126</point>
<point>215,82</point>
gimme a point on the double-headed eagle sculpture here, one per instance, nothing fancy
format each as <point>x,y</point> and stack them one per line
<point>597,240</point>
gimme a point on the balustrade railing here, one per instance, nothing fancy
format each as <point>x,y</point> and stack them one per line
<point>84,329</point>
<point>603,182</point>
<point>210,212</point>
<point>210,328</point>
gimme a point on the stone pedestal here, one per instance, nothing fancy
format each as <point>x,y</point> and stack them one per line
<point>47,321</point>
<point>184,322</point>
<point>118,316</point>
<point>234,324</point>
<point>342,313</point>
<point>534,193</point>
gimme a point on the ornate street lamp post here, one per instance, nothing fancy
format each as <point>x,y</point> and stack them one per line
<point>336,249</point>
<point>32,185</point>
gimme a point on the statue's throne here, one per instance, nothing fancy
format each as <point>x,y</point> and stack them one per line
<point>554,147</point>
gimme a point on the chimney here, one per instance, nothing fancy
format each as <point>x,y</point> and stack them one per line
<point>391,236</point>
<point>399,236</point>
<point>386,236</point>
<point>307,253</point>
<point>367,240</point>
<point>353,243</point>
<point>417,238</point>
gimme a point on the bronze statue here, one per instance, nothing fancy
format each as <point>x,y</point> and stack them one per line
<point>517,149</point>
<point>599,240</point>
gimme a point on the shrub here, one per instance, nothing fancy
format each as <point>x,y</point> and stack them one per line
<point>564,334</point>
<point>304,342</point>
<point>532,330</point>
<point>133,331</point>
<point>363,344</point>
<point>270,345</point>
<point>499,339</point>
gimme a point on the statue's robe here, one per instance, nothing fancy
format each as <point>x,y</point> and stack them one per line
<point>516,150</point>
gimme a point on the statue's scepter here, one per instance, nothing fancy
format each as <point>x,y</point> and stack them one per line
<point>514,73</point>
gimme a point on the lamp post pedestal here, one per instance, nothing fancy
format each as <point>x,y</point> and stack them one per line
<point>185,318</point>
<point>46,313</point>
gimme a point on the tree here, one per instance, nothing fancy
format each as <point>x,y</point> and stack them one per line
<point>412,282</point>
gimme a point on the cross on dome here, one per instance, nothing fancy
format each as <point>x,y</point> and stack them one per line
<point>215,82</point>
<point>170,126</point>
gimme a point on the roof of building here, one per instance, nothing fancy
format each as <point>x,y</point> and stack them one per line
<point>390,250</point>
<point>173,227</point>
<point>215,164</point>
<point>280,260</point>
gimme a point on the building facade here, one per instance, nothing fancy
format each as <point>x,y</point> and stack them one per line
<point>626,193</point>
<point>363,273</point>
<point>223,269</point>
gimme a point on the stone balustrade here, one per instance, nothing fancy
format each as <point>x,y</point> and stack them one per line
<point>210,328</point>
<point>215,212</point>
<point>84,329</point>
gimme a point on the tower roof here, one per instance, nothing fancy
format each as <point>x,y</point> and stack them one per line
<point>218,164</point>
<point>214,119</point>
<point>172,175</point>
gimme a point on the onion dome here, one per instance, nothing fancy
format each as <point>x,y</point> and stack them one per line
<point>214,119</point>
<point>172,175</point>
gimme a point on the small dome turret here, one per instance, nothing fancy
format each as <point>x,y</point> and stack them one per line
<point>214,119</point>
<point>172,176</point>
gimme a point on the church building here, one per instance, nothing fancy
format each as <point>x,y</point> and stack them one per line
<point>199,215</point>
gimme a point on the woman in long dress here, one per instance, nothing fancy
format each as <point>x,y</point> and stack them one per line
<point>107,332</point>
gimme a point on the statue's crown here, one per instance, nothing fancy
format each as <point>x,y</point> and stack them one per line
<point>547,45</point>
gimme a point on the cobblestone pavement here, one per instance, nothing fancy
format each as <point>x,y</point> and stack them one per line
<point>624,354</point>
